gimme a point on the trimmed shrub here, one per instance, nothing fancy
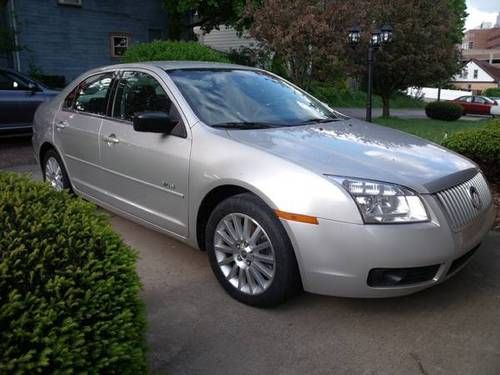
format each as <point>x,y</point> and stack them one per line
<point>68,286</point>
<point>446,111</point>
<point>159,50</point>
<point>481,145</point>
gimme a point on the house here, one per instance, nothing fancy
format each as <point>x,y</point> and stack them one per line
<point>225,39</point>
<point>477,76</point>
<point>68,37</point>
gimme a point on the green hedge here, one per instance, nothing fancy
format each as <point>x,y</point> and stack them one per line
<point>68,286</point>
<point>172,50</point>
<point>446,111</point>
<point>492,92</point>
<point>481,145</point>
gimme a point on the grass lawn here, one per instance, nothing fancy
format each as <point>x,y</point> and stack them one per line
<point>336,97</point>
<point>433,130</point>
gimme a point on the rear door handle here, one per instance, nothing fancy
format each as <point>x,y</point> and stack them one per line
<point>61,124</point>
<point>111,139</point>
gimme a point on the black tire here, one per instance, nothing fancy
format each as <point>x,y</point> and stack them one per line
<point>286,281</point>
<point>66,185</point>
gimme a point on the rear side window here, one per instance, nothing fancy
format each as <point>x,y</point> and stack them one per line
<point>93,94</point>
<point>139,92</point>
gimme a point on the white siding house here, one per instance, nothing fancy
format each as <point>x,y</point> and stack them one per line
<point>224,39</point>
<point>477,76</point>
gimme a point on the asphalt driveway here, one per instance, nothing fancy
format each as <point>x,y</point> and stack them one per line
<point>195,328</point>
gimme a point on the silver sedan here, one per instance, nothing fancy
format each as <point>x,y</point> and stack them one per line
<point>283,192</point>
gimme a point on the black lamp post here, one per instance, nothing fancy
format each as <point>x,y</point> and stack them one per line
<point>378,37</point>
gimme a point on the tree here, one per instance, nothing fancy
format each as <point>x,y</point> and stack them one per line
<point>305,34</point>
<point>424,49</point>
<point>208,14</point>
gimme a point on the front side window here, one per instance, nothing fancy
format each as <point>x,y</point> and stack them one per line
<point>478,99</point>
<point>92,94</point>
<point>139,92</point>
<point>247,98</point>
<point>11,82</point>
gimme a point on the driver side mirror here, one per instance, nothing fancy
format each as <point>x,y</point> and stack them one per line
<point>33,87</point>
<point>154,122</point>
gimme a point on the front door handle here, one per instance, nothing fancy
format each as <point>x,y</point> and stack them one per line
<point>61,125</point>
<point>111,139</point>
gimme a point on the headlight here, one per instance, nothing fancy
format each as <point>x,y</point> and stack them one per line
<point>384,203</point>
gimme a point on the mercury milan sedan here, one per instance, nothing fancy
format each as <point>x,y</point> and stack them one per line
<point>283,192</point>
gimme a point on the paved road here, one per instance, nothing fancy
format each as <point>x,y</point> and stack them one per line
<point>402,113</point>
<point>195,328</point>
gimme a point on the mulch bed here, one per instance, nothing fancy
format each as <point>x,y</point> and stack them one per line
<point>495,189</point>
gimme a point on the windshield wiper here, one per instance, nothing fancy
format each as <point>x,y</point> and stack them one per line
<point>244,125</point>
<point>318,121</point>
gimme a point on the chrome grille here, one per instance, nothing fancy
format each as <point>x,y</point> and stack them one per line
<point>457,202</point>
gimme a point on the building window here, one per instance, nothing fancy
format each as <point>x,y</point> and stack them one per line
<point>476,72</point>
<point>119,44</point>
<point>471,45</point>
<point>464,73</point>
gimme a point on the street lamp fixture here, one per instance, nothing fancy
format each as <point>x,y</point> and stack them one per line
<point>354,36</point>
<point>378,37</point>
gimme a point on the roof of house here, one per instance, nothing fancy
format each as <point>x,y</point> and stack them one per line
<point>493,71</point>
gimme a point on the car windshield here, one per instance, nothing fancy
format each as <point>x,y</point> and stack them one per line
<point>489,100</point>
<point>247,99</point>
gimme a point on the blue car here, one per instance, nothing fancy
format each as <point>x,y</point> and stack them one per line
<point>20,96</point>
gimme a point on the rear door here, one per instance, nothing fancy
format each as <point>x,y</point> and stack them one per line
<point>146,174</point>
<point>76,130</point>
<point>466,102</point>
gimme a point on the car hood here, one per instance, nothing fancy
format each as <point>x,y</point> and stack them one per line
<point>356,148</point>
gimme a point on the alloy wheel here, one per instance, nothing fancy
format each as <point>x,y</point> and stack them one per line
<point>54,174</point>
<point>244,253</point>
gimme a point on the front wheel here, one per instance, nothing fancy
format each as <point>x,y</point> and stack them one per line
<point>250,252</point>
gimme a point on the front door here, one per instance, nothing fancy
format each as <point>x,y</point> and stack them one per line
<point>76,131</point>
<point>146,174</point>
<point>17,102</point>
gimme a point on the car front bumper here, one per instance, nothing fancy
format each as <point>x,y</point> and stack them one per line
<point>335,258</point>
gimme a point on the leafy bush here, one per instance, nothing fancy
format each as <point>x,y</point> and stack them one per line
<point>481,145</point>
<point>68,286</point>
<point>446,111</point>
<point>172,50</point>
<point>495,92</point>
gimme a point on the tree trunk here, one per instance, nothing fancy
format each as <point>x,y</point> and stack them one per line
<point>386,112</point>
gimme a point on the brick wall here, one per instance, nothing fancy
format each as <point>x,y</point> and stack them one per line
<point>68,40</point>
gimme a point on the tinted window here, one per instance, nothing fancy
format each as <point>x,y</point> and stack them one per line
<point>92,94</point>
<point>139,92</point>
<point>12,82</point>
<point>220,96</point>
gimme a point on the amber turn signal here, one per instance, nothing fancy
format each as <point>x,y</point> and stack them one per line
<point>297,217</point>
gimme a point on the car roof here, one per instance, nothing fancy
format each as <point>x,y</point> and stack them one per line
<point>173,65</point>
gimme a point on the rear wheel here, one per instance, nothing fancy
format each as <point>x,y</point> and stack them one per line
<point>54,172</point>
<point>250,253</point>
